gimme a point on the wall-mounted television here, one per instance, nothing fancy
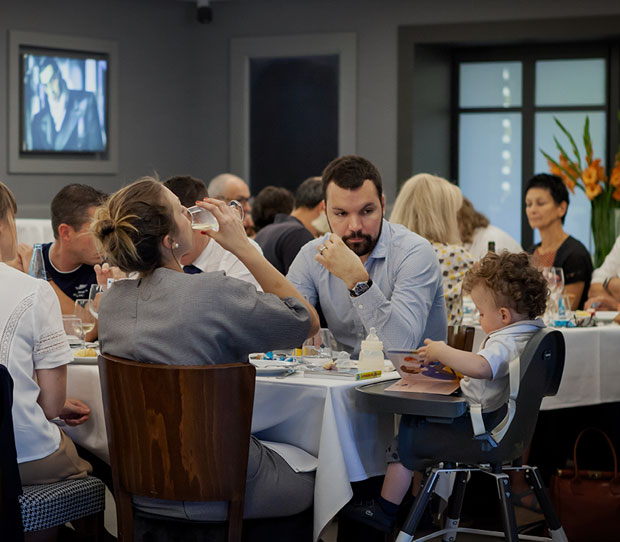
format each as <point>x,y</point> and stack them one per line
<point>62,104</point>
<point>64,101</point>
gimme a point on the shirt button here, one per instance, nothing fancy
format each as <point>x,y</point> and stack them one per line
<point>361,306</point>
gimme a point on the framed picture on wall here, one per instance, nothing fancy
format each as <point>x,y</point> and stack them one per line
<point>293,106</point>
<point>62,104</point>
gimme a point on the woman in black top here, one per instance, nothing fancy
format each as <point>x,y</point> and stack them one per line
<point>546,203</point>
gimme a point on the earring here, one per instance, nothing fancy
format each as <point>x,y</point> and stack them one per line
<point>176,245</point>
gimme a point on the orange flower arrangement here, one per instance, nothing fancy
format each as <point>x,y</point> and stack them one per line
<point>602,191</point>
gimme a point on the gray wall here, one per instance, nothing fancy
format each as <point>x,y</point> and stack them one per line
<point>174,72</point>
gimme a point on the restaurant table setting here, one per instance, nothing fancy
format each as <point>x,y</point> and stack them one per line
<point>322,416</point>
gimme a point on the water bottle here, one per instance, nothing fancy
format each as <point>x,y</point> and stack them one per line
<point>37,265</point>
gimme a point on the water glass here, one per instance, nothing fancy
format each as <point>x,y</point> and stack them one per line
<point>203,220</point>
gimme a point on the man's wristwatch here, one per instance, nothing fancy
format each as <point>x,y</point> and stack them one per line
<point>606,284</point>
<point>360,288</point>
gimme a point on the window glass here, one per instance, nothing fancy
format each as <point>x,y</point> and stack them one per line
<point>490,84</point>
<point>570,82</point>
<point>577,222</point>
<point>490,166</point>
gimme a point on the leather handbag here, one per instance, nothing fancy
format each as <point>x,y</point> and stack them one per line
<point>588,502</point>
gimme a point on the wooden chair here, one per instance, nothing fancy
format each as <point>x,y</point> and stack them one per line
<point>178,433</point>
<point>461,337</point>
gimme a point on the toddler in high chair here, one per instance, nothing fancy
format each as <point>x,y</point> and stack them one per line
<point>509,294</point>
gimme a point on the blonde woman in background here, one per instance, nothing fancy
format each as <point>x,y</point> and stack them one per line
<point>428,206</point>
<point>476,232</point>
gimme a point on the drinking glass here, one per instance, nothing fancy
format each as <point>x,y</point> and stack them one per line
<point>94,298</point>
<point>555,281</point>
<point>74,330</point>
<point>82,311</point>
<point>203,220</point>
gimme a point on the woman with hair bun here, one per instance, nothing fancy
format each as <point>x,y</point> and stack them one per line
<point>167,316</point>
<point>428,206</point>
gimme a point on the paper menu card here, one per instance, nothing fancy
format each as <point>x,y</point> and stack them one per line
<point>419,376</point>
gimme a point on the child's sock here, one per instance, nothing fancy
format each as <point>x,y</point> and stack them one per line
<point>388,507</point>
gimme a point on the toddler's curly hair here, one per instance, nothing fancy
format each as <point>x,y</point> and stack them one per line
<point>513,281</point>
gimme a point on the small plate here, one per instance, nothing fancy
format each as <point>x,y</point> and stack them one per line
<point>270,367</point>
<point>84,360</point>
<point>606,316</point>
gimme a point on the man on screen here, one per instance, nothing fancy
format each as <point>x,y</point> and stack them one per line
<point>68,120</point>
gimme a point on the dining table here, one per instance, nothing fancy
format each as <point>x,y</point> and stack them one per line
<point>328,419</point>
<point>325,417</point>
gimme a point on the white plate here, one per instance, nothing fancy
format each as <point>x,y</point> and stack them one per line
<point>84,360</point>
<point>606,316</point>
<point>270,367</point>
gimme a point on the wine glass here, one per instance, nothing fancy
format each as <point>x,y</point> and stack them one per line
<point>82,311</point>
<point>74,330</point>
<point>94,298</point>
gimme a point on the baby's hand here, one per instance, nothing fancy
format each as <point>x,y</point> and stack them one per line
<point>431,351</point>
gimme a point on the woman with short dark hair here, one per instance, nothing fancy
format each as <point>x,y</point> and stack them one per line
<point>546,203</point>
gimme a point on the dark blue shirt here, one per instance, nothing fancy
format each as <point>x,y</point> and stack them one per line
<point>75,284</point>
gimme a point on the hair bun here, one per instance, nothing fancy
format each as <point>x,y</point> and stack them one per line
<point>108,227</point>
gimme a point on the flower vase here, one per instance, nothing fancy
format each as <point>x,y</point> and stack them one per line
<point>603,224</point>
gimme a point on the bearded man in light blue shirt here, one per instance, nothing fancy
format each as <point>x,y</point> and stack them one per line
<point>368,272</point>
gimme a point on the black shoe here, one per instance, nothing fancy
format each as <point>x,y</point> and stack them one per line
<point>369,513</point>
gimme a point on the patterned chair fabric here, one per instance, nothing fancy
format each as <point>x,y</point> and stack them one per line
<point>47,505</point>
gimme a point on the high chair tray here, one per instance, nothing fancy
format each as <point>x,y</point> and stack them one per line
<point>429,405</point>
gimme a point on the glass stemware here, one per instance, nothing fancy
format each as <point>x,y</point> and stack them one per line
<point>82,311</point>
<point>555,280</point>
<point>94,298</point>
<point>74,330</point>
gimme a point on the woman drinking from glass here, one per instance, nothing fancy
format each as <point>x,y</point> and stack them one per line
<point>546,203</point>
<point>167,316</point>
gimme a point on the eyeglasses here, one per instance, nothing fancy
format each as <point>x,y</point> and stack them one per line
<point>242,200</point>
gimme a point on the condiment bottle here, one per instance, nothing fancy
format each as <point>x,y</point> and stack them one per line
<point>491,246</point>
<point>37,266</point>
<point>371,354</point>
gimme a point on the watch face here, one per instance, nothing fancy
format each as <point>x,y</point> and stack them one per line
<point>360,288</point>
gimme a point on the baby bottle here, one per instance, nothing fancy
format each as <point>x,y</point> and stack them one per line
<point>371,354</point>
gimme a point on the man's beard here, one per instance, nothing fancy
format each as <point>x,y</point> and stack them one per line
<point>363,247</point>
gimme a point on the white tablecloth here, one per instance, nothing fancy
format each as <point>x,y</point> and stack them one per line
<point>34,230</point>
<point>323,416</point>
<point>591,367</point>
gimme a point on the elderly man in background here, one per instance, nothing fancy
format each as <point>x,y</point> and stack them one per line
<point>71,259</point>
<point>283,239</point>
<point>206,255</point>
<point>368,272</point>
<point>229,187</point>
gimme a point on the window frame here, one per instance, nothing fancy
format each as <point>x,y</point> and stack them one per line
<point>528,55</point>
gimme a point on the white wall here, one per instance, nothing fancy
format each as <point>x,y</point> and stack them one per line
<point>174,72</point>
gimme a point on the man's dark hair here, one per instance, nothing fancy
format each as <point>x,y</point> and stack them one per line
<point>554,184</point>
<point>269,202</point>
<point>309,193</point>
<point>72,204</point>
<point>350,172</point>
<point>188,189</point>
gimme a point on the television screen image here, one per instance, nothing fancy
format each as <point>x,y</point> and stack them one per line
<point>64,102</point>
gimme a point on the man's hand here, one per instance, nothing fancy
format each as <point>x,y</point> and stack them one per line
<point>602,303</point>
<point>341,261</point>
<point>432,350</point>
<point>75,412</point>
<point>107,271</point>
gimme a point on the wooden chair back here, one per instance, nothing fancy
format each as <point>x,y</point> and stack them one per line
<point>178,433</point>
<point>461,337</point>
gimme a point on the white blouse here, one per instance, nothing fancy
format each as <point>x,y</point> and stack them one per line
<point>31,338</point>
